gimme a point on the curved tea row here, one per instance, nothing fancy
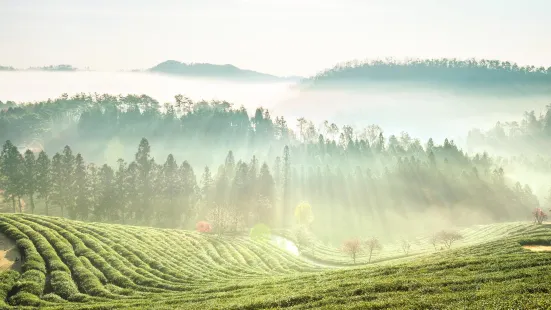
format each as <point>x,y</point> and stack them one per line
<point>73,262</point>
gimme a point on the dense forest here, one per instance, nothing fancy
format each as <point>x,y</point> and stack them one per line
<point>217,163</point>
<point>474,74</point>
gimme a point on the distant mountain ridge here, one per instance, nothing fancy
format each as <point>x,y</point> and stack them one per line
<point>62,67</point>
<point>214,71</point>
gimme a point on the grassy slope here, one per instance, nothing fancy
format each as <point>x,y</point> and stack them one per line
<point>419,245</point>
<point>88,265</point>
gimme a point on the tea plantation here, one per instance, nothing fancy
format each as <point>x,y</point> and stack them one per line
<point>77,265</point>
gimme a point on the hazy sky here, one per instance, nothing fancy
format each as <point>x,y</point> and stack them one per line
<point>276,36</point>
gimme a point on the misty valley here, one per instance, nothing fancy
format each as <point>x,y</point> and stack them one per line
<point>422,184</point>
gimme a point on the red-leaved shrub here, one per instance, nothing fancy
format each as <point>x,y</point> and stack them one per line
<point>203,227</point>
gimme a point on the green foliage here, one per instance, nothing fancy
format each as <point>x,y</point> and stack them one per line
<point>260,232</point>
<point>304,214</point>
<point>8,279</point>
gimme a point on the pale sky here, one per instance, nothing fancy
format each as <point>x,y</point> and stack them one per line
<point>283,37</point>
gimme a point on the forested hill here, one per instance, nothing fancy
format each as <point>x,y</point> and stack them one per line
<point>442,72</point>
<point>213,71</point>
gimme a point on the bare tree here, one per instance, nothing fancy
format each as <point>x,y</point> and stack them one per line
<point>449,237</point>
<point>406,245</point>
<point>372,245</point>
<point>352,247</point>
<point>434,239</point>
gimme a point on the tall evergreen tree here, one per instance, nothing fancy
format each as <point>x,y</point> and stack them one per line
<point>286,185</point>
<point>265,194</point>
<point>44,179</point>
<point>189,190</point>
<point>68,195</point>
<point>121,189</point>
<point>145,169</point>
<point>131,188</point>
<point>171,188</point>
<point>57,196</point>
<point>29,176</point>
<point>12,170</point>
<point>206,186</point>
<point>106,207</point>
<point>81,190</point>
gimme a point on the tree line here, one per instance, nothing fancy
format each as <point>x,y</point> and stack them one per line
<point>344,172</point>
<point>237,194</point>
<point>471,72</point>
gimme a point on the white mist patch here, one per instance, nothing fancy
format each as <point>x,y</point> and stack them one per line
<point>29,86</point>
<point>426,112</point>
<point>422,112</point>
<point>285,244</point>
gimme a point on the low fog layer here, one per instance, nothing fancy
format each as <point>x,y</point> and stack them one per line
<point>195,157</point>
<point>423,112</point>
<point>28,86</point>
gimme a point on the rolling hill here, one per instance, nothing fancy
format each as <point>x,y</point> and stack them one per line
<point>77,265</point>
<point>206,70</point>
<point>461,75</point>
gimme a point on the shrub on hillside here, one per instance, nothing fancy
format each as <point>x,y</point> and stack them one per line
<point>260,232</point>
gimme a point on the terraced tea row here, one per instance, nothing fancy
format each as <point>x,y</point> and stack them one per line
<point>84,262</point>
<point>77,265</point>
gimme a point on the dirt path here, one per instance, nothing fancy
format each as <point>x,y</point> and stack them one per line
<point>9,254</point>
<point>538,248</point>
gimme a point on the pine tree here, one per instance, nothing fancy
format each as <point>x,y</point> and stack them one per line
<point>81,190</point>
<point>286,185</point>
<point>106,208</point>
<point>145,166</point>
<point>171,188</point>
<point>189,190</point>
<point>206,187</point>
<point>266,195</point>
<point>68,195</point>
<point>120,187</point>
<point>131,189</point>
<point>12,170</point>
<point>57,192</point>
<point>240,192</point>
<point>30,176</point>
<point>44,179</point>
<point>229,165</point>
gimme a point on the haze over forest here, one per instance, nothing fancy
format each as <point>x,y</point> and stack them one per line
<point>266,154</point>
<point>415,101</point>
